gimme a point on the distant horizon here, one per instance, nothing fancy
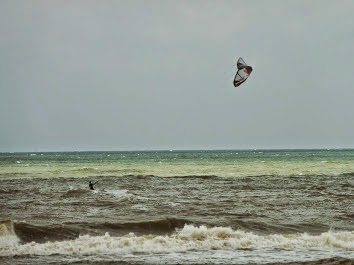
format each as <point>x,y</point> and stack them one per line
<point>180,150</point>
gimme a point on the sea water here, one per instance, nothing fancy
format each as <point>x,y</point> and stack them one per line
<point>177,207</point>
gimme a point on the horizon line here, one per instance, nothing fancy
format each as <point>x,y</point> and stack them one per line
<point>183,150</point>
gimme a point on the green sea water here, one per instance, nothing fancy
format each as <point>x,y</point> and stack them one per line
<point>221,163</point>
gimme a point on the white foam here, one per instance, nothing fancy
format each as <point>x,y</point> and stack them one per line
<point>9,241</point>
<point>117,193</point>
<point>190,238</point>
<point>8,237</point>
<point>173,204</point>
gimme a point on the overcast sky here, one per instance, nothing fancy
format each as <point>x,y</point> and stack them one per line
<point>147,75</point>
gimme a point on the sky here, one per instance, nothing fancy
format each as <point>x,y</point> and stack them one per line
<point>150,75</point>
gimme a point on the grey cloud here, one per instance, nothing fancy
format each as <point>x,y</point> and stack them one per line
<point>119,75</point>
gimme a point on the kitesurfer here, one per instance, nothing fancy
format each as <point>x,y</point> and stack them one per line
<point>91,185</point>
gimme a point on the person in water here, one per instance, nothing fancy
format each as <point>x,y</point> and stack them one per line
<point>91,185</point>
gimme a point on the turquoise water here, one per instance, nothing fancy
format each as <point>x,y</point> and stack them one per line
<point>223,163</point>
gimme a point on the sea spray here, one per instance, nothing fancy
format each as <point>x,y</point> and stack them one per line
<point>190,238</point>
<point>8,237</point>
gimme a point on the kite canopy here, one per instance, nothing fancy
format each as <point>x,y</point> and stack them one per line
<point>243,72</point>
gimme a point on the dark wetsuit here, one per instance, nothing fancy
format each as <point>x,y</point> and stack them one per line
<point>91,185</point>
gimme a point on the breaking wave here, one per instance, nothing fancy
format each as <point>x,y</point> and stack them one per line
<point>172,241</point>
<point>188,238</point>
<point>8,236</point>
<point>27,232</point>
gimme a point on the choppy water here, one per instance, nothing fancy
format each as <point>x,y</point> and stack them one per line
<point>178,207</point>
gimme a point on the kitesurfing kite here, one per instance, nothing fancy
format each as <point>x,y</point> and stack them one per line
<point>243,72</point>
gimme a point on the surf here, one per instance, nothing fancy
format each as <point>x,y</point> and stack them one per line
<point>196,243</point>
<point>8,236</point>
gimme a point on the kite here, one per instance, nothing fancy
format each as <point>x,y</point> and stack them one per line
<point>243,72</point>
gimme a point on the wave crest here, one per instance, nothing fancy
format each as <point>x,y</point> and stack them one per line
<point>68,231</point>
<point>188,238</point>
<point>8,236</point>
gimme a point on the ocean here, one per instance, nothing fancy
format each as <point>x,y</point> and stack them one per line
<point>178,207</point>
